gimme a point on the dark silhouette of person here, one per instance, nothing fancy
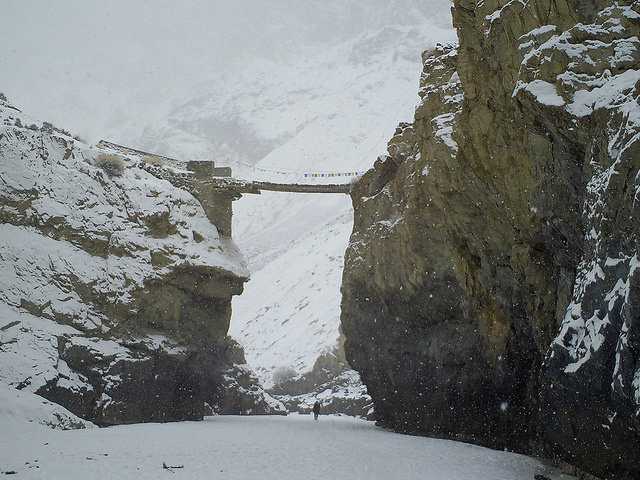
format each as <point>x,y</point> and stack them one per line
<point>316,410</point>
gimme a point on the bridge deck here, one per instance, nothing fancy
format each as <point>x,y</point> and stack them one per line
<point>251,186</point>
<point>303,188</point>
<point>221,182</point>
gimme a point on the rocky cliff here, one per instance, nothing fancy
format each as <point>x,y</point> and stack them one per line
<point>490,281</point>
<point>115,292</point>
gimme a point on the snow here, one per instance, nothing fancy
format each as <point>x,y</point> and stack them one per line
<point>607,95</point>
<point>28,348</point>
<point>291,309</point>
<point>589,339</point>
<point>23,413</point>
<point>544,92</point>
<point>636,386</point>
<point>242,448</point>
<point>443,128</point>
<point>542,30</point>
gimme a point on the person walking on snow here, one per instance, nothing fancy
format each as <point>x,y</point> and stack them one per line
<point>316,410</point>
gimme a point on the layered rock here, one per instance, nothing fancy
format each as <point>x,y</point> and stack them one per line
<point>115,293</point>
<point>488,292</point>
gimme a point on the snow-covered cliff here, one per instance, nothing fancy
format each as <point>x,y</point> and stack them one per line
<point>115,293</point>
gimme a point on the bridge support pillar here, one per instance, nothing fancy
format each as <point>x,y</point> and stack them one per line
<point>217,203</point>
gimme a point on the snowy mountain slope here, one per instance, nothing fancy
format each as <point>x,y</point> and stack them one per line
<point>135,63</point>
<point>299,111</point>
<point>290,316</point>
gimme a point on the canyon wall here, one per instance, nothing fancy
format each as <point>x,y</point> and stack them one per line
<point>489,285</point>
<point>115,292</point>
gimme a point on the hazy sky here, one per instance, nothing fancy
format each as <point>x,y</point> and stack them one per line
<point>87,64</point>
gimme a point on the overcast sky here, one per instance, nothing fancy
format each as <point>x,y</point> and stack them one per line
<point>84,64</point>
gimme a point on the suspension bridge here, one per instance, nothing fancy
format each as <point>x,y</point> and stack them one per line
<point>178,172</point>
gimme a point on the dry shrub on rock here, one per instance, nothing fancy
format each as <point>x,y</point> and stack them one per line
<point>112,164</point>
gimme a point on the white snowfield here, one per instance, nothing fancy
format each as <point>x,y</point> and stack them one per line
<point>243,448</point>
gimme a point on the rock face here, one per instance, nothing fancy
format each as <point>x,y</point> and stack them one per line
<point>343,394</point>
<point>489,285</point>
<point>240,392</point>
<point>115,292</point>
<point>332,382</point>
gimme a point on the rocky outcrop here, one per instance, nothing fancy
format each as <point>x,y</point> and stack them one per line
<point>343,394</point>
<point>488,292</point>
<point>332,382</point>
<point>239,392</point>
<point>115,293</point>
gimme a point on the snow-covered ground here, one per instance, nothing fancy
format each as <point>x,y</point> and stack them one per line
<point>242,448</point>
